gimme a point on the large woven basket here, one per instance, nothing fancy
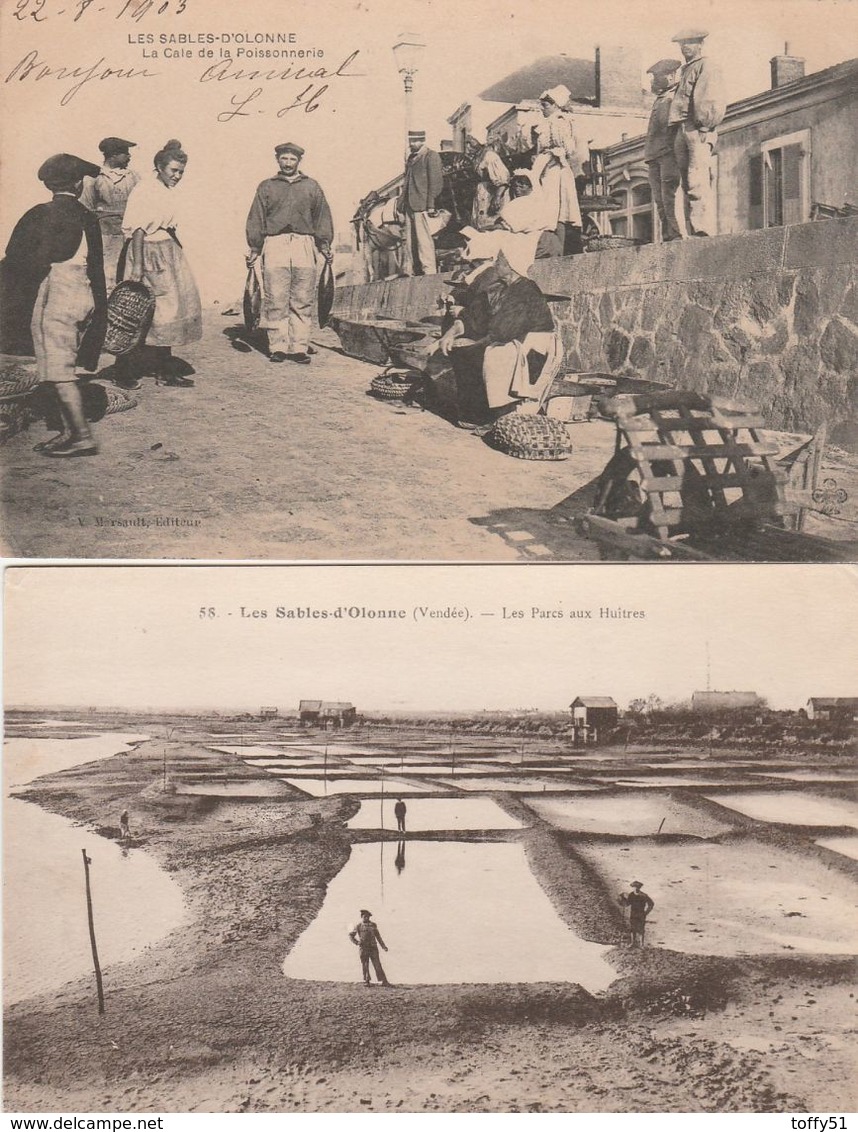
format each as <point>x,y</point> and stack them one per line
<point>530,437</point>
<point>118,401</point>
<point>129,312</point>
<point>392,386</point>
<point>609,243</point>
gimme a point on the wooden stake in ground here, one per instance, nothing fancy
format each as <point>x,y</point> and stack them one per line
<point>86,863</point>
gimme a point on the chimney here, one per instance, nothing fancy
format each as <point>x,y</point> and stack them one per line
<point>786,68</point>
<point>618,76</point>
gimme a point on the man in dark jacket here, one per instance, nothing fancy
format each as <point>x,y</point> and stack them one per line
<point>54,300</point>
<point>658,148</point>
<point>424,179</point>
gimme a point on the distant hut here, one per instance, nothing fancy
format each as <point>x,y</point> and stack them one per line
<point>724,701</point>
<point>330,714</point>
<point>594,711</point>
<point>834,709</point>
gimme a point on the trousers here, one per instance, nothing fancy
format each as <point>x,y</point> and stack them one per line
<point>289,286</point>
<point>62,306</point>
<point>664,180</point>
<point>370,955</point>
<point>419,245</point>
<point>693,155</point>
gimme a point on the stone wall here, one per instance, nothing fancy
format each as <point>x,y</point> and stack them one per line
<point>767,317</point>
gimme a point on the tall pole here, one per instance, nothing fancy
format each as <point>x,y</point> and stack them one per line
<point>382,797</point>
<point>95,963</point>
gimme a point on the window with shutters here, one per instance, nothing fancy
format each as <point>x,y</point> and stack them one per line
<point>780,182</point>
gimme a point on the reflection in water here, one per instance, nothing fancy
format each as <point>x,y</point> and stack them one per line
<point>466,913</point>
<point>437,813</point>
<point>400,856</point>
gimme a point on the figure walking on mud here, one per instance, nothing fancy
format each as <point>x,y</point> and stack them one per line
<point>367,937</point>
<point>640,905</point>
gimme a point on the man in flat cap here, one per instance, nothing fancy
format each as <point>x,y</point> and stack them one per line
<point>54,299</point>
<point>106,195</point>
<point>421,187</point>
<point>366,936</point>
<point>658,150</point>
<point>696,112</point>
<point>289,222</point>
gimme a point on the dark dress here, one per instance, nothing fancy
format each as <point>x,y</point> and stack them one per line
<point>47,234</point>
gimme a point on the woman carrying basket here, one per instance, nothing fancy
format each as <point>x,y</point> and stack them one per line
<point>154,256</point>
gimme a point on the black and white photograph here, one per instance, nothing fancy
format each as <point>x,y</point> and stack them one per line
<point>406,281</point>
<point>412,839</point>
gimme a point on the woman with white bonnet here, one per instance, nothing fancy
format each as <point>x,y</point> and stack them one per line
<point>155,257</point>
<point>557,164</point>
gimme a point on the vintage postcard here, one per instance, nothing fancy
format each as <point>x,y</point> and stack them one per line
<point>478,839</point>
<point>494,281</point>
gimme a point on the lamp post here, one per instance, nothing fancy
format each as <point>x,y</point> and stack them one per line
<point>406,52</point>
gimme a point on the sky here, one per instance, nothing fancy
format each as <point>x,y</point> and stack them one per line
<point>354,134</point>
<point>144,637</point>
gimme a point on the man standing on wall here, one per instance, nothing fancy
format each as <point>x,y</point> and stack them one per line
<point>424,179</point>
<point>696,112</point>
<point>288,222</point>
<point>658,150</point>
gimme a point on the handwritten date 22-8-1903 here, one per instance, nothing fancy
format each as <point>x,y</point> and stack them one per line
<point>40,11</point>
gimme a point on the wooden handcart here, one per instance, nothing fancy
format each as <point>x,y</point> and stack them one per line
<point>692,480</point>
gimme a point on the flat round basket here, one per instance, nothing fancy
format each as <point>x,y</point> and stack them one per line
<point>609,243</point>
<point>118,401</point>
<point>129,312</point>
<point>17,378</point>
<point>392,386</point>
<point>531,437</point>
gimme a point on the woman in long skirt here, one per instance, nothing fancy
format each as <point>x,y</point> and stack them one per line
<point>558,163</point>
<point>155,257</point>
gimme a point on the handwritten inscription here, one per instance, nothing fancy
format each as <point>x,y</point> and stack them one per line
<point>33,67</point>
<point>40,11</point>
<point>315,84</point>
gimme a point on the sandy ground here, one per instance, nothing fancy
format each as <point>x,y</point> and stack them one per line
<point>285,461</point>
<point>205,1021</point>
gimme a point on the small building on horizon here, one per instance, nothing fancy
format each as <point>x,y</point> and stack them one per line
<point>835,709</point>
<point>724,701</point>
<point>269,712</point>
<point>594,711</point>
<point>330,714</point>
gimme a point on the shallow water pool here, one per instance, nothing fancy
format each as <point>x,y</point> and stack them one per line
<point>436,813</point>
<point>320,788</point>
<point>847,846</point>
<point>791,807</point>
<point>533,785</point>
<point>498,925</point>
<point>632,815</point>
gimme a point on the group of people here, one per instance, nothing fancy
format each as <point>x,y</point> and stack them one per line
<point>107,225</point>
<point>682,135</point>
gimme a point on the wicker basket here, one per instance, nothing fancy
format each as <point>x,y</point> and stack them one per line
<point>392,386</point>
<point>17,378</point>
<point>531,437</point>
<point>609,243</point>
<point>129,312</point>
<point>118,401</point>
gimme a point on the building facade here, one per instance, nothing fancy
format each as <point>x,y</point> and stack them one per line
<point>835,709</point>
<point>330,714</point>
<point>594,711</point>
<point>779,153</point>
